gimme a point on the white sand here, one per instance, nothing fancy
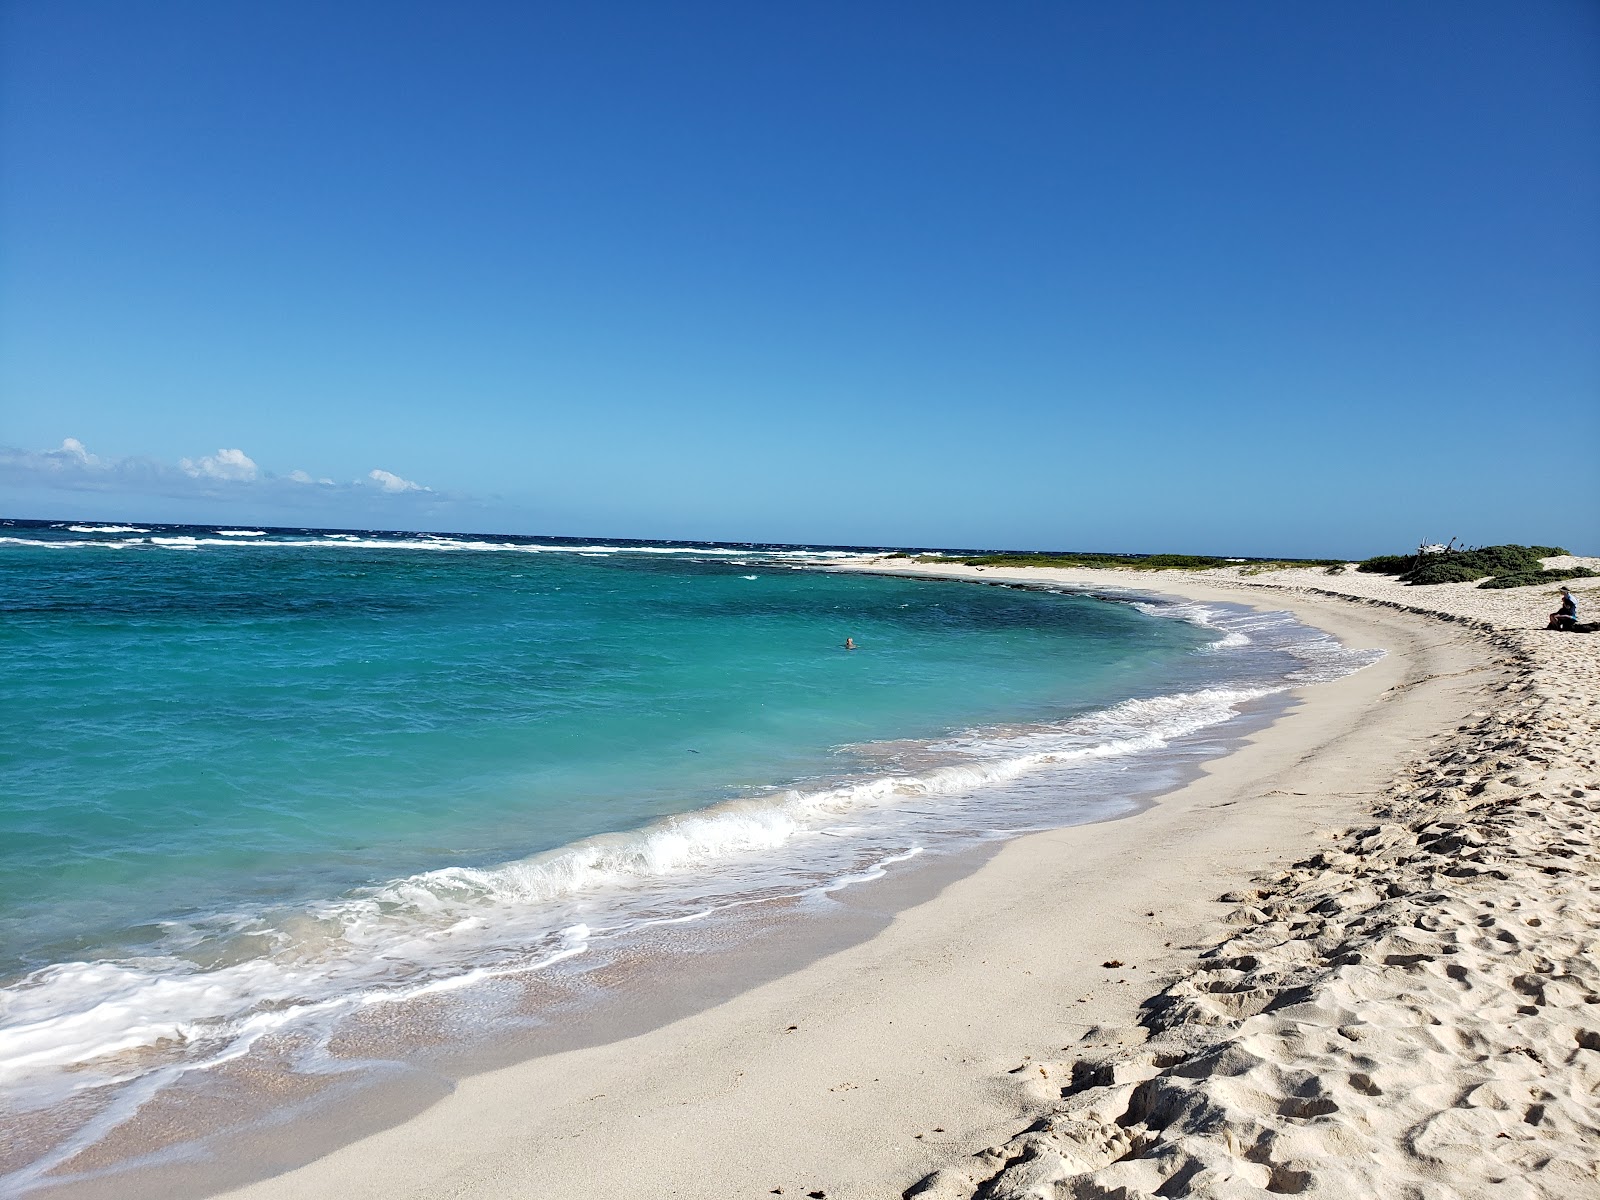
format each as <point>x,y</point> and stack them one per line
<point>1412,1011</point>
<point>1407,1009</point>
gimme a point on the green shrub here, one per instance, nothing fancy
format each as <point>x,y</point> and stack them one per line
<point>1530,578</point>
<point>1485,560</point>
<point>1441,568</point>
<point>1462,566</point>
<point>1140,562</point>
<point>1497,560</point>
<point>1388,564</point>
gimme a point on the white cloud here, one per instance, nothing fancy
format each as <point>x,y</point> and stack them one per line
<point>227,474</point>
<point>75,451</point>
<point>390,482</point>
<point>71,456</point>
<point>68,463</point>
<point>233,465</point>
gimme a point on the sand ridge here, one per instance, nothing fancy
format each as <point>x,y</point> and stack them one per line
<point>1412,1011</point>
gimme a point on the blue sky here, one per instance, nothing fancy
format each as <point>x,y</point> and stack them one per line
<point>1240,277</point>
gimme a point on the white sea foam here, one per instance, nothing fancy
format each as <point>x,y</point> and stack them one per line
<point>1204,615</point>
<point>106,544</point>
<point>263,540</point>
<point>74,1025</point>
<point>106,529</point>
<point>1324,656</point>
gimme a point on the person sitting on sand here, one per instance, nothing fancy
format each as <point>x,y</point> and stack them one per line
<point>1566,616</point>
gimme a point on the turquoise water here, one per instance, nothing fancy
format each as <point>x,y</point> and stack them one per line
<point>193,731</point>
<point>247,777</point>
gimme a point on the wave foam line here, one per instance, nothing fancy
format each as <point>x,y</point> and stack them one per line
<point>1325,657</point>
<point>235,539</point>
<point>434,926</point>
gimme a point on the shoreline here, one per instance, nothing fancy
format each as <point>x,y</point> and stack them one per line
<point>901,1059</point>
<point>421,1047</point>
<point>618,999</point>
<point>917,1048</point>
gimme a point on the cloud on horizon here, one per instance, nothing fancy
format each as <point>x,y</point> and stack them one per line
<point>226,474</point>
<point>224,464</point>
<point>390,482</point>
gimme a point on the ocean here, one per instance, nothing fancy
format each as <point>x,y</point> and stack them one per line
<point>256,781</point>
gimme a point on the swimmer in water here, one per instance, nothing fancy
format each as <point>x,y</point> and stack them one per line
<point>849,643</point>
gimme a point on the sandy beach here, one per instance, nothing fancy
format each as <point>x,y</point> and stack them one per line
<point>531,663</point>
<point>1354,958</point>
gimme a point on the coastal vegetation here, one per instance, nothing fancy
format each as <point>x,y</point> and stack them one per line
<point>1505,566</point>
<point>1129,562</point>
<point>1529,578</point>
